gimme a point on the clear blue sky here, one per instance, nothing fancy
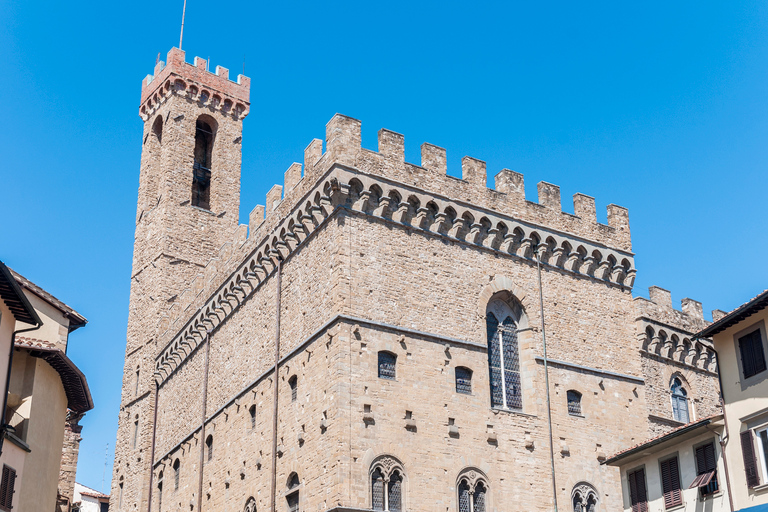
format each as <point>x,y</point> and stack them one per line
<point>660,107</point>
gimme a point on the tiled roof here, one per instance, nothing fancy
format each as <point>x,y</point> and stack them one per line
<point>74,382</point>
<point>750,307</point>
<point>14,298</point>
<point>94,494</point>
<point>663,437</point>
<point>76,319</point>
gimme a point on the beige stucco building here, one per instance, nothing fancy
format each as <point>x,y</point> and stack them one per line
<point>742,345</point>
<point>45,389</point>
<point>373,338</point>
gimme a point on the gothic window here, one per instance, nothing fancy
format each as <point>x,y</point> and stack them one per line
<point>574,402</point>
<point>503,357</point>
<point>387,365</point>
<point>157,129</point>
<point>176,471</point>
<point>250,505</point>
<point>584,498</point>
<point>292,382</point>
<point>463,380</point>
<point>120,494</point>
<point>252,412</point>
<point>292,498</point>
<point>387,485</point>
<point>209,446</point>
<point>679,401</point>
<point>473,490</point>
<point>201,169</point>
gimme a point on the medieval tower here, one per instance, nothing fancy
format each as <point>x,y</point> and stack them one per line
<point>372,339</point>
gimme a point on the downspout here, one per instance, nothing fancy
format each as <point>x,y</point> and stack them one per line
<point>727,437</point>
<point>202,422</point>
<point>152,451</point>
<point>546,382</point>
<point>273,491</point>
<point>8,379</point>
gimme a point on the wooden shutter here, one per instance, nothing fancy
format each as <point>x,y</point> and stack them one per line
<point>7,485</point>
<point>750,461</point>
<point>637,494</point>
<point>752,354</point>
<point>670,483</point>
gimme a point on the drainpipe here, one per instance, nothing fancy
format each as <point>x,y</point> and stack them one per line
<point>152,451</point>
<point>273,492</point>
<point>5,426</point>
<point>546,382</point>
<point>202,422</point>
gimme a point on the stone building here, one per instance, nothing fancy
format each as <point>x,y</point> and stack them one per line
<point>372,339</point>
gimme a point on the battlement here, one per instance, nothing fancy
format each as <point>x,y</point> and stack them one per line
<point>214,89</point>
<point>659,308</point>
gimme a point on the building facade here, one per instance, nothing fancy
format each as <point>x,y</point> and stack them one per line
<point>373,338</point>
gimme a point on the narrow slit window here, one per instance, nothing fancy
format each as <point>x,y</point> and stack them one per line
<point>176,473</point>
<point>252,412</point>
<point>209,446</point>
<point>292,498</point>
<point>201,170</point>
<point>293,383</point>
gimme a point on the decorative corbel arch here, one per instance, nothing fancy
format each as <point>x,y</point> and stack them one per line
<point>501,284</point>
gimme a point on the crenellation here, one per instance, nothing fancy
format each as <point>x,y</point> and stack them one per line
<point>255,219</point>
<point>618,218</point>
<point>693,309</point>
<point>584,208</point>
<point>510,183</point>
<point>392,145</point>
<point>312,154</point>
<point>292,177</point>
<point>343,139</point>
<point>549,195</point>
<point>473,172</point>
<point>717,314</point>
<point>434,159</point>
<point>222,72</point>
<point>274,197</point>
<point>660,297</point>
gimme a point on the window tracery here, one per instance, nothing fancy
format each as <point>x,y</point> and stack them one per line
<point>387,477</point>
<point>503,356</point>
<point>679,401</point>
<point>473,490</point>
<point>584,498</point>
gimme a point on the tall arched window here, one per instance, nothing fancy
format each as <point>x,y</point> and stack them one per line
<point>209,446</point>
<point>157,129</point>
<point>473,489</point>
<point>387,484</point>
<point>201,177</point>
<point>679,401</point>
<point>252,413</point>
<point>293,383</point>
<point>292,498</point>
<point>176,471</point>
<point>387,365</point>
<point>250,505</point>
<point>503,356</point>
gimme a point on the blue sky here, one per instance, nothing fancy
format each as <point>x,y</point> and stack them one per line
<point>661,107</point>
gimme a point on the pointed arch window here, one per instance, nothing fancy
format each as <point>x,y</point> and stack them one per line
<point>292,498</point>
<point>250,505</point>
<point>209,446</point>
<point>201,171</point>
<point>473,490</point>
<point>679,401</point>
<point>503,356</point>
<point>584,498</point>
<point>252,413</point>
<point>160,491</point>
<point>387,485</point>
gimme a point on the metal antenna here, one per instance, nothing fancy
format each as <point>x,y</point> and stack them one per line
<point>104,473</point>
<point>183,13</point>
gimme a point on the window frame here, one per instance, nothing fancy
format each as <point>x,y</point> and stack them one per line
<point>293,384</point>
<point>379,362</point>
<point>763,448</point>
<point>680,398</point>
<point>757,377</point>
<point>495,341</point>
<point>640,506</point>
<point>580,412</point>
<point>703,494</point>
<point>662,461</point>
<point>465,388</point>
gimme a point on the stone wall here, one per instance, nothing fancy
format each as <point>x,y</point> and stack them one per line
<point>69,454</point>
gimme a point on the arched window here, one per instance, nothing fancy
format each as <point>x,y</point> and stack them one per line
<point>292,382</point>
<point>135,430</point>
<point>292,498</point>
<point>503,356</point>
<point>574,402</point>
<point>387,365</point>
<point>201,174</point>
<point>679,401</point>
<point>473,489</point>
<point>209,446</point>
<point>463,380</point>
<point>252,412</point>
<point>387,484</point>
<point>120,494</point>
<point>176,471</point>
<point>157,129</point>
<point>584,498</point>
<point>250,505</point>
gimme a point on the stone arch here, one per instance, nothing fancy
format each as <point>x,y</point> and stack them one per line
<point>250,505</point>
<point>500,285</point>
<point>584,497</point>
<point>387,479</point>
<point>472,490</point>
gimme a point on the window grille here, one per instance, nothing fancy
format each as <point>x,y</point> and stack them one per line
<point>292,382</point>
<point>7,488</point>
<point>504,363</point>
<point>479,498</point>
<point>464,380</point>
<point>464,497</point>
<point>387,365</point>
<point>706,465</point>
<point>377,490</point>
<point>752,354</point>
<point>679,402</point>
<point>574,402</point>
<point>395,492</point>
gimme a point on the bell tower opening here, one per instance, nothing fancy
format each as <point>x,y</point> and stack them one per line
<point>201,177</point>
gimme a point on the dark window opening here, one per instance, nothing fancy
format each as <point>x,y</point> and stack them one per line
<point>292,382</point>
<point>201,174</point>
<point>209,446</point>
<point>252,412</point>
<point>176,471</point>
<point>387,365</point>
<point>706,467</point>
<point>293,498</point>
<point>160,492</point>
<point>157,129</point>
<point>752,354</point>
<point>463,380</point>
<point>574,402</point>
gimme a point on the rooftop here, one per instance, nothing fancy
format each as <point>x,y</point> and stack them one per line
<point>746,310</point>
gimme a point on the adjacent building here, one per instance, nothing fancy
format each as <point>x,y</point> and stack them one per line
<point>89,500</point>
<point>46,391</point>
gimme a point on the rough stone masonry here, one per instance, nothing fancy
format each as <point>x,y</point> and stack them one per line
<point>410,368</point>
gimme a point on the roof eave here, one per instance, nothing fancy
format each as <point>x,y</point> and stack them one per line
<point>31,317</point>
<point>737,315</point>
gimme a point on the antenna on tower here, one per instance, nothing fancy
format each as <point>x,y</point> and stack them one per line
<point>104,473</point>
<point>183,13</point>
